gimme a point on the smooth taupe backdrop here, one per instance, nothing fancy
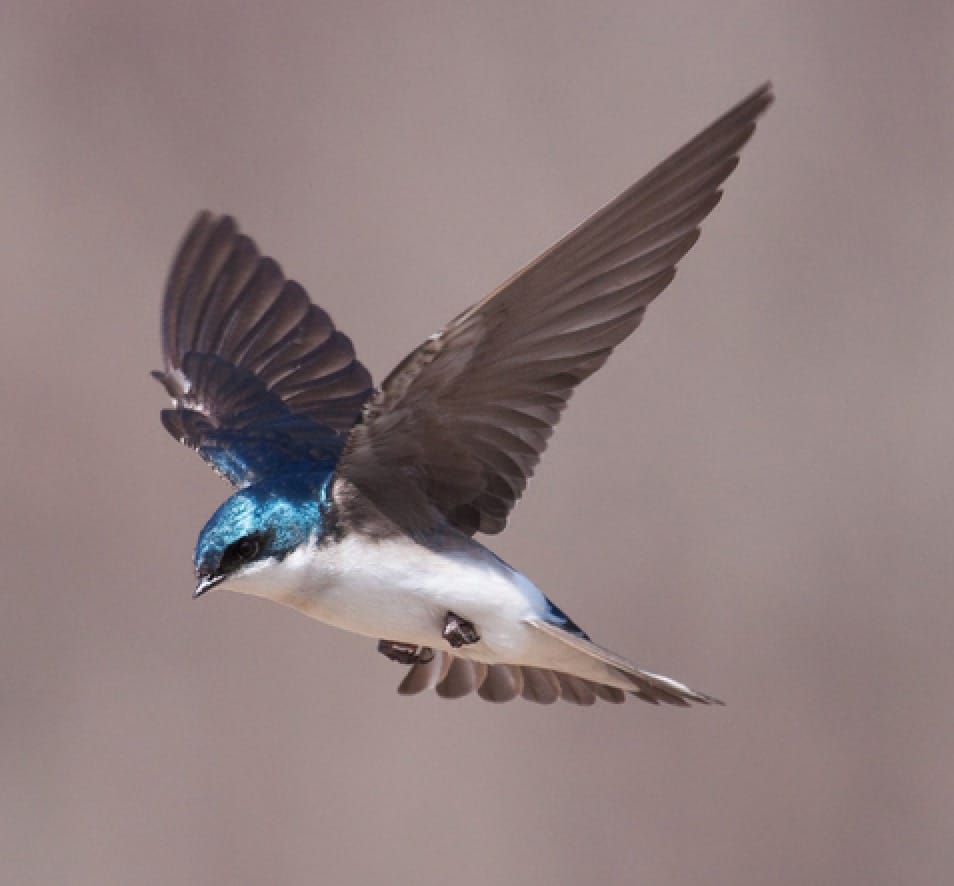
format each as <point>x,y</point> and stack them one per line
<point>756,495</point>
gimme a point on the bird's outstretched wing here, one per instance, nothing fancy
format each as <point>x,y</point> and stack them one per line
<point>260,379</point>
<point>459,426</point>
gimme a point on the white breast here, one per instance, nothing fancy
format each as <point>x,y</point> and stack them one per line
<point>398,590</point>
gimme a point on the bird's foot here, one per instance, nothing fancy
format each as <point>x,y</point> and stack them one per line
<point>458,631</point>
<point>405,653</point>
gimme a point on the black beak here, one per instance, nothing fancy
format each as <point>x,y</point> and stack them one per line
<point>206,583</point>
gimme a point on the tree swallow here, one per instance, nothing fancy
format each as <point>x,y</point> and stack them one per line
<point>358,505</point>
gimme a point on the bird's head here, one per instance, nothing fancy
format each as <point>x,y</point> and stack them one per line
<point>256,529</point>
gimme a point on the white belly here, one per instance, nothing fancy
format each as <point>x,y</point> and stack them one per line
<point>397,590</point>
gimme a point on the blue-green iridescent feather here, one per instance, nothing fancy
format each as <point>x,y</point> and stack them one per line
<point>284,511</point>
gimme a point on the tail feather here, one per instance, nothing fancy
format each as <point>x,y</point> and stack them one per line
<point>576,690</point>
<point>454,677</point>
<point>502,683</point>
<point>462,678</point>
<point>646,685</point>
<point>425,674</point>
<point>586,672</point>
<point>609,693</point>
<point>540,686</point>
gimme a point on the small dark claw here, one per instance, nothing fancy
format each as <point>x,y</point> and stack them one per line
<point>458,631</point>
<point>405,653</point>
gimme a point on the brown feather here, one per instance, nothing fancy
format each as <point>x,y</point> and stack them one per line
<point>457,429</point>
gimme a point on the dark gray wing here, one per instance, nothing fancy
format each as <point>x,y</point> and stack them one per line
<point>459,426</point>
<point>260,379</point>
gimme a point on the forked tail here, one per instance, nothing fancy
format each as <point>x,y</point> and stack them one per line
<point>597,673</point>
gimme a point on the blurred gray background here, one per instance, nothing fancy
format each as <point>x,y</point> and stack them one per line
<point>755,495</point>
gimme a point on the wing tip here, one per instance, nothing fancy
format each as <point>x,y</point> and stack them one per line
<point>756,102</point>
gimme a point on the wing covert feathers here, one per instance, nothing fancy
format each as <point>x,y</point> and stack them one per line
<point>259,376</point>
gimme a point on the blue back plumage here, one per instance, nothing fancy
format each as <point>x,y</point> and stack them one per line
<point>262,382</point>
<point>558,617</point>
<point>283,512</point>
<point>252,434</point>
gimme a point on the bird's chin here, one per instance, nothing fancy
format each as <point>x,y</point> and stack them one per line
<point>267,579</point>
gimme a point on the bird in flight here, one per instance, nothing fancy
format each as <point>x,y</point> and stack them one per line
<point>358,505</point>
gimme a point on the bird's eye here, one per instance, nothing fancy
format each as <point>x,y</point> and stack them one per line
<point>240,552</point>
<point>247,548</point>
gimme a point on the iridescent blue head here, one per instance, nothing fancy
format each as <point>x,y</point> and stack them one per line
<point>259,524</point>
